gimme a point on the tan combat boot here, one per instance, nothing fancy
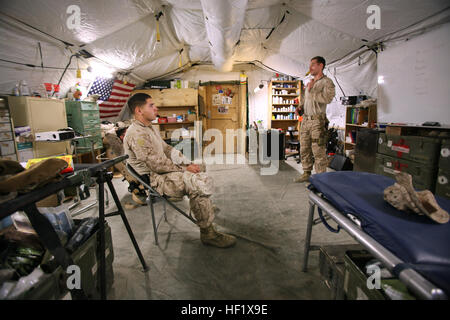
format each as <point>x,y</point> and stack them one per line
<point>139,199</point>
<point>304,177</point>
<point>209,236</point>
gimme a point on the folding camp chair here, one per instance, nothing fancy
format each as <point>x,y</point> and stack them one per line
<point>154,196</point>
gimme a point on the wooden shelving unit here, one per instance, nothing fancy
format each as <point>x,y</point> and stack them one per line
<point>284,97</point>
<point>8,148</point>
<point>357,117</point>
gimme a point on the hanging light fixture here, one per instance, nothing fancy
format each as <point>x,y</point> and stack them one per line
<point>258,88</point>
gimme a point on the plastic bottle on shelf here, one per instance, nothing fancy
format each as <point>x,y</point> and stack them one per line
<point>24,91</point>
<point>16,90</point>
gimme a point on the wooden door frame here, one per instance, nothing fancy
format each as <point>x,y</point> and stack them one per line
<point>241,90</point>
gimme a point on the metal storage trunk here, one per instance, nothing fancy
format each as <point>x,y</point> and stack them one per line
<point>87,257</point>
<point>423,176</point>
<point>413,148</point>
<point>365,150</point>
<point>444,159</point>
<point>48,288</point>
<point>355,280</point>
<point>331,266</point>
<point>443,183</point>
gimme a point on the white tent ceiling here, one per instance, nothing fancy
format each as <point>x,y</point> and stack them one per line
<point>122,36</point>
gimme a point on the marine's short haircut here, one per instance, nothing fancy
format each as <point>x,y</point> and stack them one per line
<point>320,60</point>
<point>139,99</point>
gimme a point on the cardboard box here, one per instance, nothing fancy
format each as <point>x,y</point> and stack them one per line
<point>398,131</point>
<point>12,157</point>
<point>162,134</point>
<point>191,117</point>
<point>4,136</point>
<point>5,126</point>
<point>51,201</point>
<point>7,147</point>
<point>25,155</point>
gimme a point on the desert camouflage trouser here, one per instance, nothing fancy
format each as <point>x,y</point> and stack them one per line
<point>313,142</point>
<point>198,187</point>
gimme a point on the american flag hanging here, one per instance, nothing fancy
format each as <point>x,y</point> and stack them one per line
<point>113,93</point>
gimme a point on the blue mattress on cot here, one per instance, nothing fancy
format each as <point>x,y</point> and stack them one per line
<point>415,239</point>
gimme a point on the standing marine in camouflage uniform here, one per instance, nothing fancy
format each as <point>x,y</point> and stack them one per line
<point>319,92</point>
<point>170,172</point>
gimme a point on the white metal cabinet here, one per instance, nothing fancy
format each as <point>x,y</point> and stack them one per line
<point>41,115</point>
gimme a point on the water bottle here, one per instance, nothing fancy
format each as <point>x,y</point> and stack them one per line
<point>24,91</point>
<point>16,90</point>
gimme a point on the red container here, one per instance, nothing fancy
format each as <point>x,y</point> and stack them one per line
<point>162,120</point>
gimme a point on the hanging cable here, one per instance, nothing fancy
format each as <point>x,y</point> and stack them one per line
<point>40,53</point>
<point>65,69</point>
<point>35,66</point>
<point>67,44</point>
<point>334,75</point>
<point>281,21</point>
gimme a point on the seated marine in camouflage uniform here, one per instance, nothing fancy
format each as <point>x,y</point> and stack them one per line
<point>113,143</point>
<point>170,173</point>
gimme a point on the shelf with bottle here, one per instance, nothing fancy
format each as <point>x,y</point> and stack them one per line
<point>290,116</point>
<point>284,92</point>
<point>281,100</point>
<point>21,89</point>
<point>290,108</point>
<point>285,88</point>
<point>284,97</point>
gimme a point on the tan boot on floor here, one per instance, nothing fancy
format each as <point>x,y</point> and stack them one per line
<point>209,236</point>
<point>303,178</point>
<point>139,199</point>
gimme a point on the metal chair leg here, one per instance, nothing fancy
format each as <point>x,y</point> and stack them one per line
<point>155,229</point>
<point>312,207</point>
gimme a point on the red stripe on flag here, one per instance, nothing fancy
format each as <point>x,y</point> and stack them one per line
<point>122,87</point>
<point>122,101</point>
<point>120,94</point>
<point>111,105</point>
<point>108,111</point>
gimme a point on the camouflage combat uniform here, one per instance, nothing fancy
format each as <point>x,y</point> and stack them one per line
<point>166,166</point>
<point>312,129</point>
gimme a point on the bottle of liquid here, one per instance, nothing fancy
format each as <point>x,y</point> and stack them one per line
<point>16,90</point>
<point>24,91</point>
